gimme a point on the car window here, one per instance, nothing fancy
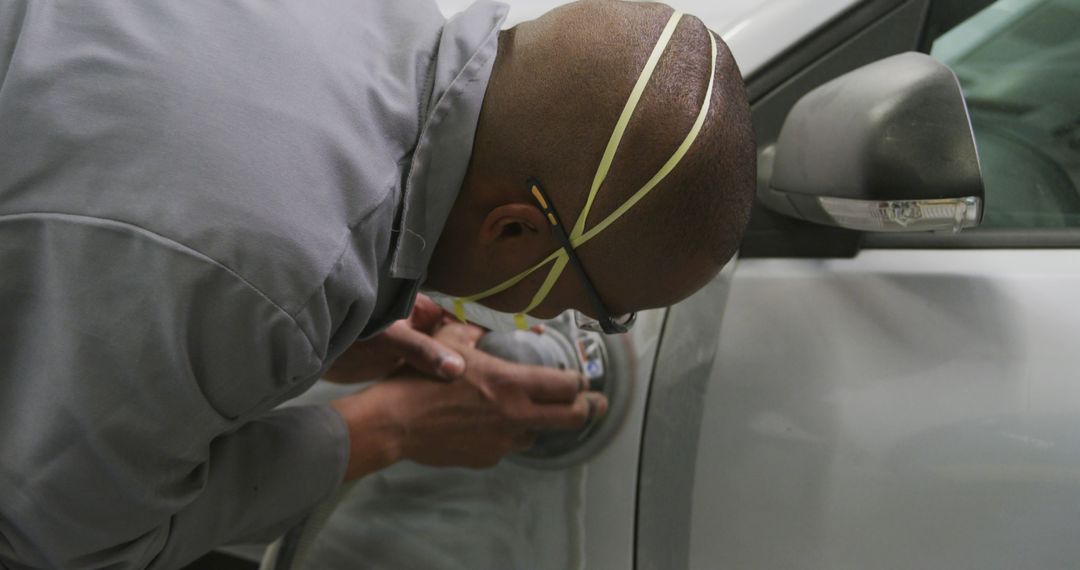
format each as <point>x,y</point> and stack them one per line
<point>1019,64</point>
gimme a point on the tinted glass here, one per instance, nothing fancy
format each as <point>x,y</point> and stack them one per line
<point>1019,64</point>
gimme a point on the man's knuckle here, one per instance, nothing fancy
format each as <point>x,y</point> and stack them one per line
<point>505,375</point>
<point>431,350</point>
<point>572,384</point>
<point>515,412</point>
<point>579,413</point>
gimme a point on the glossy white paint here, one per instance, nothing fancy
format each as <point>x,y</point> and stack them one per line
<point>759,30</point>
<point>611,478</point>
<point>756,30</point>
<point>904,409</point>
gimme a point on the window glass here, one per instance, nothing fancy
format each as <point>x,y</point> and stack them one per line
<point>1019,64</point>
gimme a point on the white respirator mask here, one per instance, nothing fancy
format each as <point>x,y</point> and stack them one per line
<point>486,317</point>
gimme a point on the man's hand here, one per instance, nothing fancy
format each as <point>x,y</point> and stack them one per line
<point>406,342</point>
<point>471,422</point>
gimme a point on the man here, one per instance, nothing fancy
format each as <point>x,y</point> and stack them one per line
<point>204,205</point>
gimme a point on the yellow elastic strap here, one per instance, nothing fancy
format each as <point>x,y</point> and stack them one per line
<point>665,169</point>
<point>578,236</point>
<point>609,155</point>
<point>549,281</point>
<point>509,282</point>
<point>635,96</point>
<point>624,120</point>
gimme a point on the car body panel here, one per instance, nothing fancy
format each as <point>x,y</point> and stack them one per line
<point>669,446</point>
<point>906,408</point>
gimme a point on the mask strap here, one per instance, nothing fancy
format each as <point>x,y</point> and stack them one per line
<point>513,280</point>
<point>578,236</point>
<point>609,153</point>
<point>549,281</point>
<point>616,137</point>
<point>668,166</point>
<point>624,120</point>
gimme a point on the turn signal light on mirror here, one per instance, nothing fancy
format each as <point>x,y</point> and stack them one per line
<point>946,214</point>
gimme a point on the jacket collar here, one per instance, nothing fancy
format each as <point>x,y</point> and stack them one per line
<point>462,67</point>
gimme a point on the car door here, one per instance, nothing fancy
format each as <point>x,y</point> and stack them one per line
<point>891,400</point>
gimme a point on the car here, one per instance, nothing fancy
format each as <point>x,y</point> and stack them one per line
<point>848,393</point>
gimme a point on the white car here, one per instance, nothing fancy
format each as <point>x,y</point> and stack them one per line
<point>838,398</point>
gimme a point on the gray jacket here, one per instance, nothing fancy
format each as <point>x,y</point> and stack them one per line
<point>202,204</point>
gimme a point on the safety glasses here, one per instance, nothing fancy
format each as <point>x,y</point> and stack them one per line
<point>605,323</point>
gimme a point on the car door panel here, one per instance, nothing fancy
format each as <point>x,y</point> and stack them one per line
<point>914,409</point>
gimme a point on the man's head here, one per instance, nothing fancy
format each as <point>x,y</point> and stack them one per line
<point>557,88</point>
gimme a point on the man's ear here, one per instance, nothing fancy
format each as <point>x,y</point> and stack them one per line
<point>510,221</point>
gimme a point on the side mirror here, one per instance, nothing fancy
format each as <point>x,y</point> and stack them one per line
<point>886,147</point>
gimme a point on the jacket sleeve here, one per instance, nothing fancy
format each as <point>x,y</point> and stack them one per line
<point>135,375</point>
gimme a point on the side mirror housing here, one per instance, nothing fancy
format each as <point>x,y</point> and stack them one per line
<point>886,147</point>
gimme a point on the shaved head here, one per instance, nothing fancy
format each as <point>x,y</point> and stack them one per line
<point>557,89</point>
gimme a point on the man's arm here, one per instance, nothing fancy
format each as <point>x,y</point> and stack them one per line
<point>133,375</point>
<point>130,369</point>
